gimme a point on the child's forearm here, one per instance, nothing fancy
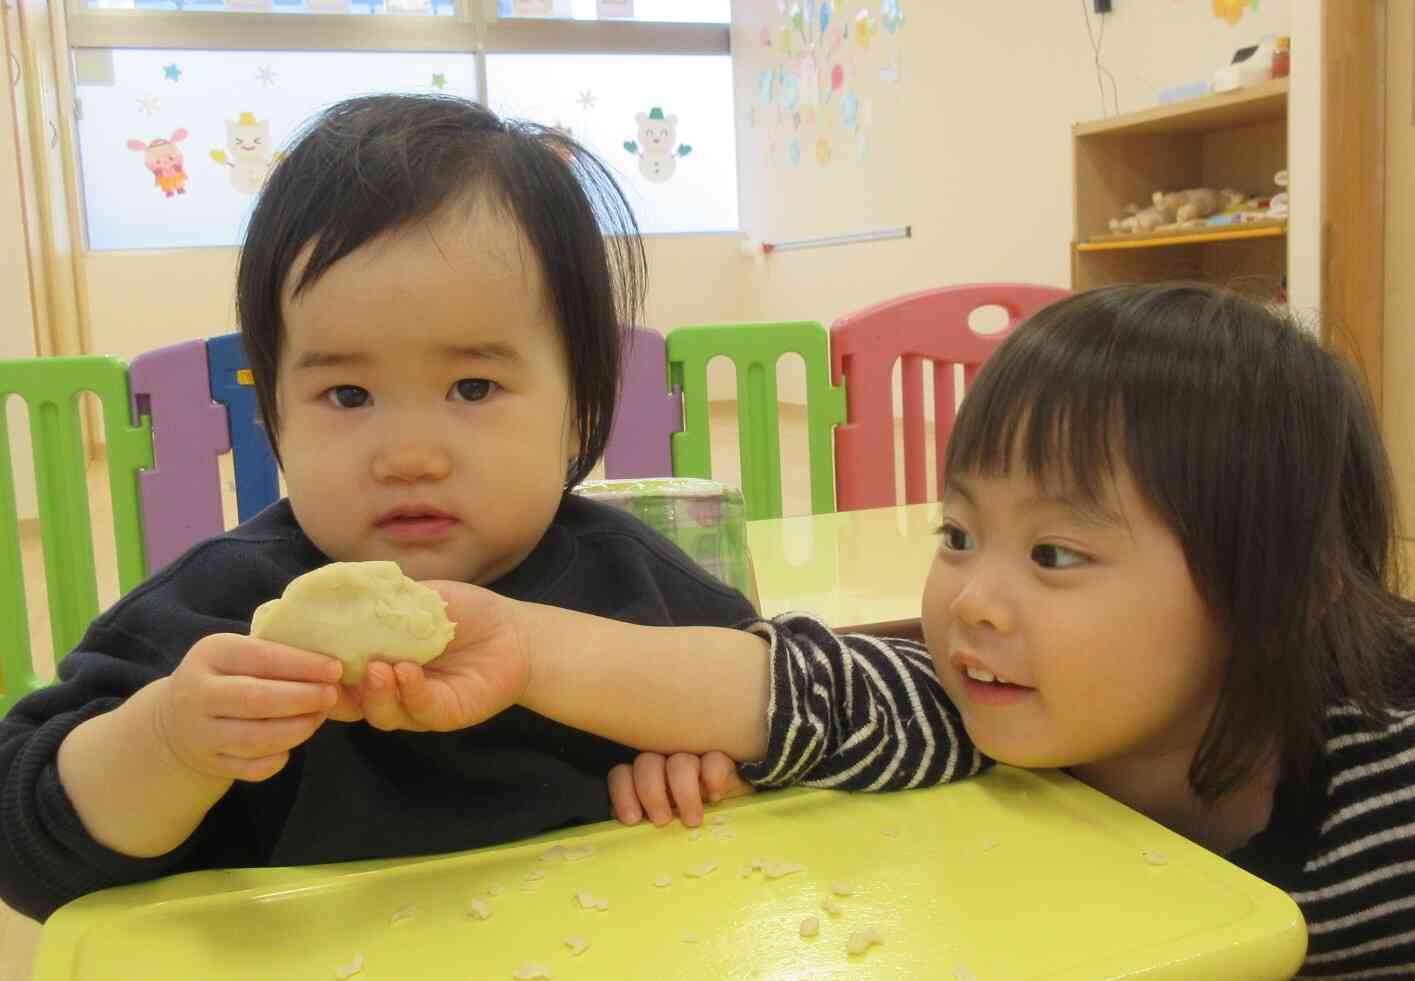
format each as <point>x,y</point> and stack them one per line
<point>131,793</point>
<point>665,689</point>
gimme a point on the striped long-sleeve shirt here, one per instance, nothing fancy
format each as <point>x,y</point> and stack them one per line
<point>861,713</point>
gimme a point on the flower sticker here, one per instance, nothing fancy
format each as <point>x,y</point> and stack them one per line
<point>891,15</point>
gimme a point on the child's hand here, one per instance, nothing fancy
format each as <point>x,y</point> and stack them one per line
<point>236,706</point>
<point>484,670</point>
<point>658,786</point>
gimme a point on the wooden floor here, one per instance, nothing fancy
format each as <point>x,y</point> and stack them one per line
<point>19,935</point>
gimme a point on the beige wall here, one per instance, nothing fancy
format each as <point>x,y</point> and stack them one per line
<point>16,312</point>
<point>971,147</point>
<point>1399,400</point>
<point>144,300</point>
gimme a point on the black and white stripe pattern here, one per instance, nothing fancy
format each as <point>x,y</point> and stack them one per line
<point>853,712</point>
<point>1357,888</point>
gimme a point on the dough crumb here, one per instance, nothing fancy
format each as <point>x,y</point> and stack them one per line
<point>403,914</point>
<point>356,966</point>
<point>831,906</point>
<point>695,834</point>
<point>1155,858</point>
<point>577,945</point>
<point>478,909</point>
<point>702,871</point>
<point>989,845</point>
<point>718,819</point>
<point>535,875</point>
<point>863,940</point>
<point>890,832</point>
<point>555,854</point>
<point>579,854</point>
<point>963,973</point>
<point>842,888</point>
<point>496,889</point>
<point>663,880</point>
<point>532,972</point>
<point>589,900</point>
<point>810,926</point>
<point>690,938</point>
<point>776,870</point>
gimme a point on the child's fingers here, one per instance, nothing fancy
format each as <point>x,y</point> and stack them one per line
<point>245,697</point>
<point>267,659</point>
<point>252,771</point>
<point>649,784</point>
<point>683,770</point>
<point>253,739</point>
<point>623,801</point>
<point>379,696</point>
<point>349,707</point>
<point>420,700</point>
<point>721,779</point>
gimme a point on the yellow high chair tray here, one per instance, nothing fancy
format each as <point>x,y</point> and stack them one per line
<point>1011,875</point>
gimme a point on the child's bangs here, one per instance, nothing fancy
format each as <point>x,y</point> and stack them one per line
<point>1032,406</point>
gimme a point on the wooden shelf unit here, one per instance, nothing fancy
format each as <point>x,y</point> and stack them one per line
<point>1237,139</point>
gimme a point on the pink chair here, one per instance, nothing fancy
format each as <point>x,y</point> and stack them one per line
<point>928,325</point>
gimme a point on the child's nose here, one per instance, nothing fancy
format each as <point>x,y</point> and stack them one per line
<point>412,460</point>
<point>982,601</point>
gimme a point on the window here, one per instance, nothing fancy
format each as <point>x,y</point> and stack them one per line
<point>673,175</point>
<point>219,86</point>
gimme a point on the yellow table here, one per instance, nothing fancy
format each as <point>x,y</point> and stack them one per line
<point>1014,874</point>
<point>853,569</point>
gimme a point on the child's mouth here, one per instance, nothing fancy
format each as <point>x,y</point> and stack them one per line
<point>987,688</point>
<point>417,527</point>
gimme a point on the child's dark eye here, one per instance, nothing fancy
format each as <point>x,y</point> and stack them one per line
<point>1056,556</point>
<point>348,397</point>
<point>472,389</point>
<point>955,539</point>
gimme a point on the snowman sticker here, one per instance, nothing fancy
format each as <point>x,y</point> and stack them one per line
<point>657,147</point>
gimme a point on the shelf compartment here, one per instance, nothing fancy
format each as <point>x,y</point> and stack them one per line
<point>1195,236</point>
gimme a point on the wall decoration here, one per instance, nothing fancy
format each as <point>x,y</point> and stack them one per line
<point>266,75</point>
<point>821,56</point>
<point>148,105</point>
<point>586,100</point>
<point>164,159</point>
<point>439,81</point>
<point>249,157</point>
<point>890,15</point>
<point>658,155</point>
<point>1232,10</point>
<point>172,72</point>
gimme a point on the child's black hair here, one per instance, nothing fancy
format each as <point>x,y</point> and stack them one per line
<point>1260,450</point>
<point>375,164</point>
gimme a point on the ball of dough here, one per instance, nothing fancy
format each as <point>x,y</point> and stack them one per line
<point>357,612</point>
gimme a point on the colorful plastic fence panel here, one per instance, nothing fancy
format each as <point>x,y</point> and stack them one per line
<point>181,495</point>
<point>51,388</point>
<point>257,481</point>
<point>755,349</point>
<point>928,325</point>
<point>647,414</point>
